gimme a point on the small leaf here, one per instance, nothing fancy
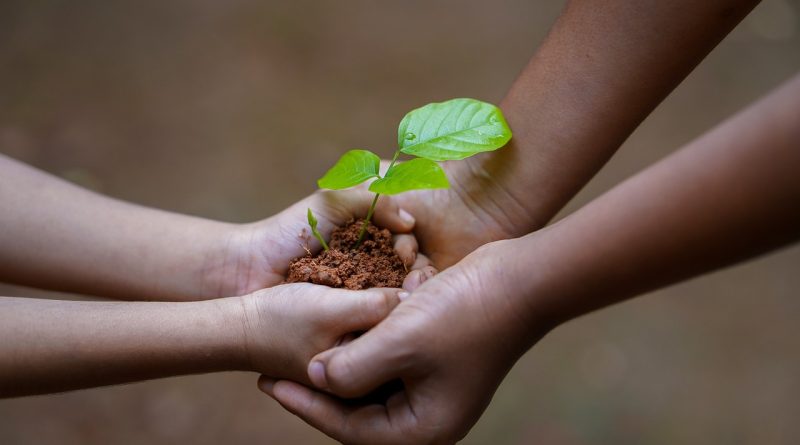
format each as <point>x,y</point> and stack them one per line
<point>456,129</point>
<point>313,223</point>
<point>353,168</point>
<point>412,175</point>
<point>311,220</point>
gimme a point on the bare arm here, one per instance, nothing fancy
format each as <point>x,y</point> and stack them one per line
<point>601,71</point>
<point>57,235</point>
<point>51,345</point>
<point>604,66</point>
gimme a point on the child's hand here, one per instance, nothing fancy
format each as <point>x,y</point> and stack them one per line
<point>285,326</point>
<point>257,255</point>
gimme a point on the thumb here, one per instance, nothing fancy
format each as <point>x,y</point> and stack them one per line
<point>360,310</point>
<point>359,367</point>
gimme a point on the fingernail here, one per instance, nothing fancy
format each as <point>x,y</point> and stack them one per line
<point>406,217</point>
<point>316,372</point>
<point>402,295</point>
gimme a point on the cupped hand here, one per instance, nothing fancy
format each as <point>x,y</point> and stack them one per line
<point>257,255</point>
<point>283,327</point>
<point>451,343</point>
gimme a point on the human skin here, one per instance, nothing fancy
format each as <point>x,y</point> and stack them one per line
<point>56,235</point>
<point>728,196</point>
<point>601,70</point>
<point>50,346</point>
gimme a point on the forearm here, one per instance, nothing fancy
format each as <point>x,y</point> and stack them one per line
<point>602,69</point>
<point>50,346</point>
<point>728,196</point>
<point>59,236</point>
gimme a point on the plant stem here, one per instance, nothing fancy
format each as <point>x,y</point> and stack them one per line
<point>366,221</point>
<point>372,207</point>
<point>321,240</point>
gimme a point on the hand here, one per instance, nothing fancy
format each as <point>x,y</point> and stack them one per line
<point>451,343</point>
<point>255,256</point>
<point>475,210</point>
<point>285,326</point>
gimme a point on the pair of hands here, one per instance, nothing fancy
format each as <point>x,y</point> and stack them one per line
<point>444,339</point>
<point>451,343</point>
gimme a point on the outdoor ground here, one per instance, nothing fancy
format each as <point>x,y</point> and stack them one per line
<point>231,110</point>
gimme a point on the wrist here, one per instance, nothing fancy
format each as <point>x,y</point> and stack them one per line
<point>230,323</point>
<point>232,263</point>
<point>486,184</point>
<point>509,279</point>
<point>550,276</point>
<point>182,256</point>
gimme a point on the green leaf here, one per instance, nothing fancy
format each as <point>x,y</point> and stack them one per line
<point>353,168</point>
<point>412,175</point>
<point>313,223</point>
<point>455,129</point>
<point>311,220</point>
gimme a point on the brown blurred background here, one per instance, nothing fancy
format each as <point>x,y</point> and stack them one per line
<point>231,110</point>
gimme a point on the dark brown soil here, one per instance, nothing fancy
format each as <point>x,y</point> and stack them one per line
<point>374,264</point>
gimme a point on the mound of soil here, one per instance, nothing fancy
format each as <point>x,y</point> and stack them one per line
<point>374,264</point>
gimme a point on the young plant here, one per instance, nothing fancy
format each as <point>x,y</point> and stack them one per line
<point>445,131</point>
<point>313,223</point>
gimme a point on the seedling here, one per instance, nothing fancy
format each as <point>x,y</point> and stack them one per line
<point>313,223</point>
<point>445,131</point>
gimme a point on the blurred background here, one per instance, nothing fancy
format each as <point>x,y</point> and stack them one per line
<point>231,110</point>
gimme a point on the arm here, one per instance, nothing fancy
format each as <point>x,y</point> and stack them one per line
<point>59,236</point>
<point>729,195</point>
<point>601,70</point>
<point>51,346</point>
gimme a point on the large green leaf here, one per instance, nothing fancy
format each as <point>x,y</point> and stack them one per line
<point>412,175</point>
<point>455,129</point>
<point>353,168</point>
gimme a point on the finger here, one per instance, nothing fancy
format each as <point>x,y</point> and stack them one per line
<point>366,424</point>
<point>415,278</point>
<point>346,339</point>
<point>356,369</point>
<point>421,261</point>
<point>406,247</point>
<point>361,310</point>
<point>317,409</point>
<point>390,216</point>
<point>265,384</point>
